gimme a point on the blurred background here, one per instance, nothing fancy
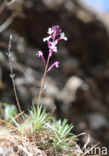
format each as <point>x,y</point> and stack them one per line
<point>80,87</point>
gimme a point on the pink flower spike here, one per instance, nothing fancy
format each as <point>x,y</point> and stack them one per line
<point>56,64</point>
<point>40,54</point>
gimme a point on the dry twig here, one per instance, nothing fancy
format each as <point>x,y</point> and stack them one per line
<point>7,22</point>
<point>3,6</point>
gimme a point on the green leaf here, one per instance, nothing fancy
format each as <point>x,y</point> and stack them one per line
<point>9,111</point>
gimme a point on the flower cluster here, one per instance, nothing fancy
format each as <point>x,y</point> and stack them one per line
<point>55,35</point>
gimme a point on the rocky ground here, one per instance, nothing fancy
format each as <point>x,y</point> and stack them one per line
<point>80,87</point>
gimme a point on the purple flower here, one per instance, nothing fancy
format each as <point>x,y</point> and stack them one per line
<point>55,35</point>
<point>56,64</point>
<point>53,45</point>
<point>56,30</point>
<point>50,31</point>
<point>40,54</point>
<point>63,37</point>
<point>46,38</point>
<point>50,52</point>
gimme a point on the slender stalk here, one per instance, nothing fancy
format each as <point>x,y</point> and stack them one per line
<point>15,92</point>
<point>12,75</point>
<point>43,79</point>
<point>42,82</point>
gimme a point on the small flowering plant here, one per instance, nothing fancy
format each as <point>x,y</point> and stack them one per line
<point>40,128</point>
<point>55,35</point>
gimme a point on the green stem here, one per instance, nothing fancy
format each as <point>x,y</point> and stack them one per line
<point>42,82</point>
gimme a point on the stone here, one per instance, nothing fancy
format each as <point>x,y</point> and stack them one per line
<point>68,93</point>
<point>97,121</point>
<point>74,83</point>
<point>70,65</point>
<point>51,90</point>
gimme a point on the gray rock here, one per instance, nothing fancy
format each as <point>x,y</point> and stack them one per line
<point>2,57</point>
<point>74,83</point>
<point>97,121</point>
<point>52,90</point>
<point>68,94</point>
<point>71,87</point>
<point>70,65</point>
